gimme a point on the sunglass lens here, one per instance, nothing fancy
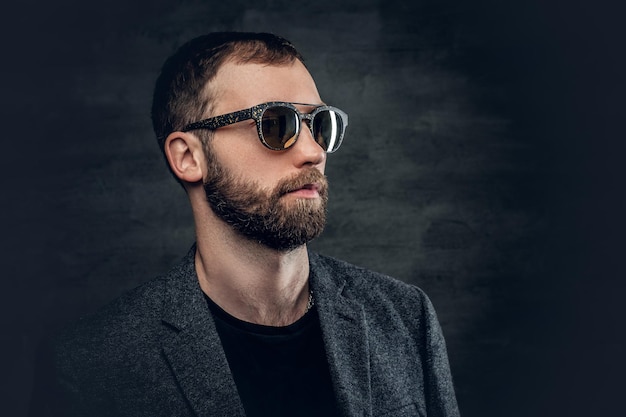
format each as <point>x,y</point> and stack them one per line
<point>280,126</point>
<point>328,129</point>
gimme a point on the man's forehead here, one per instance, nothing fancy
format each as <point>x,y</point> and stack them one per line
<point>242,85</point>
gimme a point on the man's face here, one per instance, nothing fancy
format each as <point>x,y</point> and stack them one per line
<point>277,198</point>
<point>266,216</point>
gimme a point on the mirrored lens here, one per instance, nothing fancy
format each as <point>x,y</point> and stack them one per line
<point>280,126</point>
<point>327,129</point>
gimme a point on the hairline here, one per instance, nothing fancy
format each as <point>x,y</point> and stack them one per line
<point>210,94</point>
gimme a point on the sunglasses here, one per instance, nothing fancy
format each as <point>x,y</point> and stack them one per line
<point>278,124</point>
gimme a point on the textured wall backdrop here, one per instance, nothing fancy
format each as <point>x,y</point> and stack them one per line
<point>480,164</point>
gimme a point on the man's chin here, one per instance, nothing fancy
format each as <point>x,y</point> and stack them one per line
<point>281,244</point>
<point>294,233</point>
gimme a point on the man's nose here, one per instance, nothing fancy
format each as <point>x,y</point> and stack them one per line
<point>306,150</point>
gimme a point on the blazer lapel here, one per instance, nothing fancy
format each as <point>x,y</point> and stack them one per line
<point>195,354</point>
<point>344,332</point>
<point>193,348</point>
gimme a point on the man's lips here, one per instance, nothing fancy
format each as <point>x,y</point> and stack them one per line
<point>307,190</point>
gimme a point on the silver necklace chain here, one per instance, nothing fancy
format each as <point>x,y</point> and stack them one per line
<point>310,303</point>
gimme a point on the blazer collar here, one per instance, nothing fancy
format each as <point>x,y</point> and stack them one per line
<point>193,348</point>
<point>345,338</point>
<point>197,359</point>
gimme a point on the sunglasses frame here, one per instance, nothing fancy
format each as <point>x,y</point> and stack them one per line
<point>256,113</point>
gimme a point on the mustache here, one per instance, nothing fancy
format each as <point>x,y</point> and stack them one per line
<point>297,181</point>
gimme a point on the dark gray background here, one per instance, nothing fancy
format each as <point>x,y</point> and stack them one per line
<point>482,163</point>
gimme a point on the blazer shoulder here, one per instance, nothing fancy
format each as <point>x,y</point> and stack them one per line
<point>370,287</point>
<point>132,310</point>
<point>135,310</point>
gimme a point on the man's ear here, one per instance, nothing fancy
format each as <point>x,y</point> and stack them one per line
<point>185,155</point>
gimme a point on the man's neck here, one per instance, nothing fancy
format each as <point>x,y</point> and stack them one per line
<point>250,281</point>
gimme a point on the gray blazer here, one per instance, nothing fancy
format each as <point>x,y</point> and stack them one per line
<point>156,352</point>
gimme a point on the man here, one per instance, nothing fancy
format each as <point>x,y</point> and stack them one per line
<point>251,322</point>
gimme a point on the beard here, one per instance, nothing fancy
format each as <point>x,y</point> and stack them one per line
<point>264,216</point>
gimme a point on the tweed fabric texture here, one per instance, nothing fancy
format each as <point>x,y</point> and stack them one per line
<point>156,352</point>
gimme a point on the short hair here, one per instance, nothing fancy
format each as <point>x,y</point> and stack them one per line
<point>180,96</point>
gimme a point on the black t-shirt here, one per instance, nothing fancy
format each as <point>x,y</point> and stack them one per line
<point>279,371</point>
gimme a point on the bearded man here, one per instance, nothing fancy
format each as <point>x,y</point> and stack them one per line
<point>251,323</point>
